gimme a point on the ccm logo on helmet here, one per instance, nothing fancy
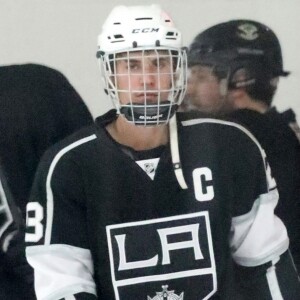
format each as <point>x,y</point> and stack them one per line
<point>145,30</point>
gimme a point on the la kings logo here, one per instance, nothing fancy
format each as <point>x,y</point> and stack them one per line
<point>166,295</point>
<point>174,252</point>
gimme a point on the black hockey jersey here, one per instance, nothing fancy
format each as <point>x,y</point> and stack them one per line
<point>100,223</point>
<point>274,132</point>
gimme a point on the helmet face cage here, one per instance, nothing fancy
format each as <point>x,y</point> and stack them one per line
<point>159,89</point>
<point>143,64</point>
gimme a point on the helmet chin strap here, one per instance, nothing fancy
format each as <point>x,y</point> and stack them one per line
<point>175,152</point>
<point>141,114</point>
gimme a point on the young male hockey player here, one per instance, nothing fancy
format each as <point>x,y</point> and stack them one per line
<point>235,68</point>
<point>142,206</point>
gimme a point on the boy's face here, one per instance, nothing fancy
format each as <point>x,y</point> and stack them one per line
<point>203,90</point>
<point>144,77</point>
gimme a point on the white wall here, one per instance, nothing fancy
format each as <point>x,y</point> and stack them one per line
<point>63,33</point>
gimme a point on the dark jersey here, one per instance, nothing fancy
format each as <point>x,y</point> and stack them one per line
<point>10,216</point>
<point>38,107</point>
<point>274,132</point>
<point>12,256</point>
<point>100,223</point>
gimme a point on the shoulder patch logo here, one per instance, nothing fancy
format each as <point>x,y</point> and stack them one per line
<point>247,31</point>
<point>166,295</point>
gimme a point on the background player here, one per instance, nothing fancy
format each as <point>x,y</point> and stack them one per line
<point>235,68</point>
<point>38,107</point>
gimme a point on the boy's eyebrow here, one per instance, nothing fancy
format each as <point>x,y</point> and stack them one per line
<point>130,60</point>
<point>135,59</point>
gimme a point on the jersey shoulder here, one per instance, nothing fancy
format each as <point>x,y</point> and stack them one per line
<point>73,141</point>
<point>222,131</point>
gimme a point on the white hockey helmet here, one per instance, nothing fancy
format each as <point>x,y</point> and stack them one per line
<point>144,29</point>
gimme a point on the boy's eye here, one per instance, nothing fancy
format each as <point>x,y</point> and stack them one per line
<point>133,66</point>
<point>161,63</point>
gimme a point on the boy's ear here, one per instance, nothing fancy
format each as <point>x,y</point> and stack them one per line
<point>236,97</point>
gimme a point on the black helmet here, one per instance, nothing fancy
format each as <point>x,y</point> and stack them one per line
<point>239,44</point>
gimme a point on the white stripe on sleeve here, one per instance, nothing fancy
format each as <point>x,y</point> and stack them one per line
<point>61,271</point>
<point>258,236</point>
<point>273,281</point>
<point>70,298</point>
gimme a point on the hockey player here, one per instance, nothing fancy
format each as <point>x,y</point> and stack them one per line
<point>235,68</point>
<point>142,206</point>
